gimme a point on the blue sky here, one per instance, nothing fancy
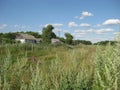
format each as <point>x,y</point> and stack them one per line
<point>93,20</point>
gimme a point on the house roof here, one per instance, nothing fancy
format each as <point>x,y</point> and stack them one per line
<point>25,36</point>
<point>55,40</point>
<point>39,39</point>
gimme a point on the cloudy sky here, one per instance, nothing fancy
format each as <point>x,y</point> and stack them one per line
<point>93,20</point>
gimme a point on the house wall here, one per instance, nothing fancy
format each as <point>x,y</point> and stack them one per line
<point>26,41</point>
<point>21,40</point>
<point>30,41</point>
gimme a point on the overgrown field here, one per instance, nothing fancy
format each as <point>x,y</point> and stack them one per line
<point>49,67</point>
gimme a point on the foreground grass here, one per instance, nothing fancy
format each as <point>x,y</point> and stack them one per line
<point>40,67</point>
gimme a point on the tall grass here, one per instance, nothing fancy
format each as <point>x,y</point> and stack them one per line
<point>36,67</point>
<point>107,73</point>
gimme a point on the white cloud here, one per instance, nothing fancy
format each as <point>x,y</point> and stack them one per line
<point>54,25</point>
<point>66,31</point>
<point>84,34</point>
<point>2,26</point>
<point>46,25</point>
<point>81,17</point>
<point>95,40</point>
<point>84,25</point>
<point>77,35</point>
<point>72,24</point>
<point>111,22</point>
<point>16,26</point>
<point>57,30</point>
<point>85,14</point>
<point>102,31</point>
<point>99,31</point>
<point>76,17</point>
<point>98,25</point>
<point>23,27</point>
<point>40,26</point>
<point>80,31</point>
<point>57,25</point>
<point>40,31</point>
<point>90,31</point>
<point>116,33</point>
<point>60,30</point>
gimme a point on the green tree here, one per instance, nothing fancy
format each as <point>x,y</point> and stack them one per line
<point>61,39</point>
<point>9,35</point>
<point>69,38</point>
<point>7,38</point>
<point>106,42</point>
<point>48,34</point>
<point>82,42</point>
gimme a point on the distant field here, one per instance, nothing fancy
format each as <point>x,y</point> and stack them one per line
<point>51,67</point>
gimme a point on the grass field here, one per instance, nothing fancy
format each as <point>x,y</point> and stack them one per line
<point>49,67</point>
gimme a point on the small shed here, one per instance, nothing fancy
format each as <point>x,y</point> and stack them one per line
<point>56,41</point>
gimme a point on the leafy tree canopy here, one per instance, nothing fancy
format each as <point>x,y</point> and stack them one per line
<point>48,34</point>
<point>69,38</point>
<point>82,42</point>
<point>105,42</point>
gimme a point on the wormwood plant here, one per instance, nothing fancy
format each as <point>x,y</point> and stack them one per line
<point>107,73</point>
<point>63,74</point>
<point>71,69</point>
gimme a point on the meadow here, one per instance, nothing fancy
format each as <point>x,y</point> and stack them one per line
<point>63,67</point>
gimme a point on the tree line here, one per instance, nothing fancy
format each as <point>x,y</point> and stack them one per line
<point>47,35</point>
<point>106,42</point>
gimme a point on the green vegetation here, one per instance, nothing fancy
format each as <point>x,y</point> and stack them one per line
<point>7,38</point>
<point>69,38</point>
<point>48,67</point>
<point>85,42</point>
<point>48,34</point>
<point>107,74</point>
<point>106,42</point>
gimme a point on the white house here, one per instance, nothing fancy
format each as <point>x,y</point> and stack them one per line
<point>25,38</point>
